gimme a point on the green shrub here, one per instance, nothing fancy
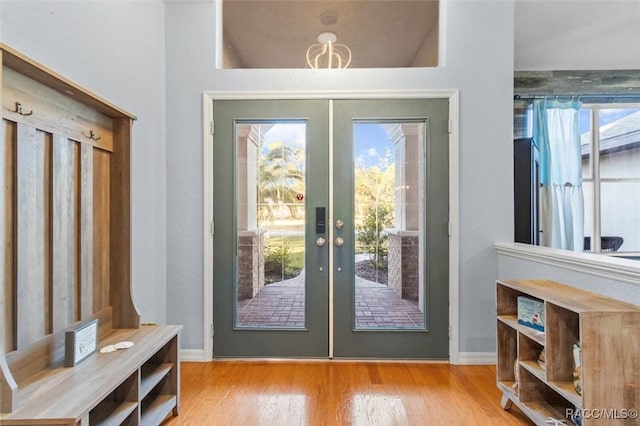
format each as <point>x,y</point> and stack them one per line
<point>280,263</point>
<point>370,233</point>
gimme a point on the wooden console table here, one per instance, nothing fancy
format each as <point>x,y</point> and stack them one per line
<point>608,333</point>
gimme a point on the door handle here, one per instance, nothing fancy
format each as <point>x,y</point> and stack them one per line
<point>339,242</point>
<point>320,242</point>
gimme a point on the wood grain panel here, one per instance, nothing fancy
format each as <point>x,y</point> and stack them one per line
<point>77,269</point>
<point>44,208</point>
<point>54,112</point>
<point>63,290</point>
<point>33,235</point>
<point>26,237</point>
<point>86,231</point>
<point>8,386</point>
<point>7,220</point>
<point>507,348</point>
<point>101,227</point>
<point>568,297</point>
<point>26,363</point>
<point>27,66</point>
<point>622,377</point>
<point>562,327</point>
<point>578,82</point>
<point>125,314</point>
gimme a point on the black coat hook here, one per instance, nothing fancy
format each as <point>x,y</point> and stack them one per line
<point>93,135</point>
<point>20,111</point>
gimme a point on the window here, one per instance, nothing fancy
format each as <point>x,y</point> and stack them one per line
<point>609,138</point>
<point>610,143</point>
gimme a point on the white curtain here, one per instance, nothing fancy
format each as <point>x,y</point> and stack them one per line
<point>557,133</point>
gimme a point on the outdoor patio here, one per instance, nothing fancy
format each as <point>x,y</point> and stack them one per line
<point>282,305</point>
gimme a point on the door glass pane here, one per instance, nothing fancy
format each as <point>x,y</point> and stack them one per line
<point>389,225</point>
<point>270,191</point>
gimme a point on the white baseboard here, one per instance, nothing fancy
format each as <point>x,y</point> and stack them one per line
<point>475,358</point>
<point>463,358</point>
<point>193,355</point>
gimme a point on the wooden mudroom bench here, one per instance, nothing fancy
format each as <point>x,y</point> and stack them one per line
<point>65,261</point>
<point>138,385</point>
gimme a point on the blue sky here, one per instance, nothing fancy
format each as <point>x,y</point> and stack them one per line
<point>606,117</point>
<point>290,134</point>
<point>370,144</point>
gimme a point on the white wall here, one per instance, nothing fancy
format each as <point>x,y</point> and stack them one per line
<point>116,51</point>
<point>577,35</point>
<point>625,286</point>
<point>479,62</point>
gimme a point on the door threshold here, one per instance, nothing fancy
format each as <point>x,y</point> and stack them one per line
<point>340,360</point>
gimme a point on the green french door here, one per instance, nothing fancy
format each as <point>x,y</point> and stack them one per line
<point>331,244</point>
<point>390,263</point>
<point>270,283</point>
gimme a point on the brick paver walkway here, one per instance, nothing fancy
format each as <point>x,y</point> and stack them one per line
<point>282,305</point>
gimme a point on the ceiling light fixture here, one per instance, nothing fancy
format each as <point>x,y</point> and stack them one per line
<point>328,54</point>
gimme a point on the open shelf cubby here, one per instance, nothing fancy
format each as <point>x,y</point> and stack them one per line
<point>529,351</point>
<point>117,408</point>
<point>507,353</point>
<point>543,400</point>
<point>608,333</point>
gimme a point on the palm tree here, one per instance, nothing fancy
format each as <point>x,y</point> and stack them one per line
<point>281,179</point>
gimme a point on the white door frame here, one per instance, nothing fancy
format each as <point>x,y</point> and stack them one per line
<point>454,209</point>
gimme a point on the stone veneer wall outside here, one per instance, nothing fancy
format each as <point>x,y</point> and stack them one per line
<point>250,263</point>
<point>403,264</point>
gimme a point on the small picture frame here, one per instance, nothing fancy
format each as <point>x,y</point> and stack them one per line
<point>80,342</point>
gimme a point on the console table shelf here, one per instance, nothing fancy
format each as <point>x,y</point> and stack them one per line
<point>608,332</point>
<point>157,409</point>
<point>151,374</point>
<point>112,413</point>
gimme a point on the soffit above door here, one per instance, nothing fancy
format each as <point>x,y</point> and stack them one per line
<point>380,33</point>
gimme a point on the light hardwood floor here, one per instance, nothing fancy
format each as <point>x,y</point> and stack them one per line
<point>340,393</point>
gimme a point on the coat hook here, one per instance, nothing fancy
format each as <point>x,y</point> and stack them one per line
<point>93,135</point>
<point>19,110</point>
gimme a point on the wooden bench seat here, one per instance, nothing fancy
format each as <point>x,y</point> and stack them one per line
<point>141,382</point>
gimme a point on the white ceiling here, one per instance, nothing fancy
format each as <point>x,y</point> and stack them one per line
<point>577,34</point>
<point>380,33</point>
